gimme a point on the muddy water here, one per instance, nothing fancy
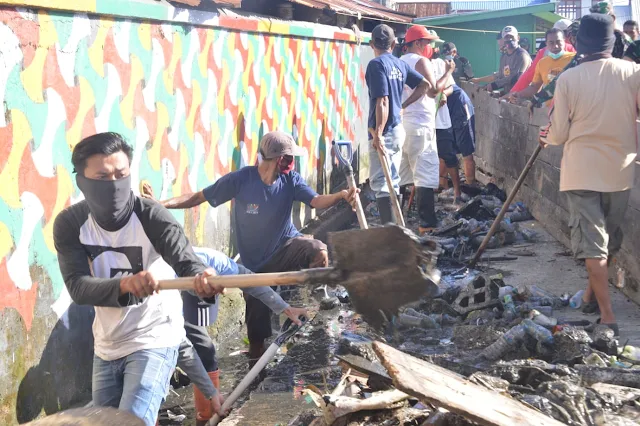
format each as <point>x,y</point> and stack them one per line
<point>306,359</point>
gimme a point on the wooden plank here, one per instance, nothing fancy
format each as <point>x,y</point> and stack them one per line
<point>446,389</point>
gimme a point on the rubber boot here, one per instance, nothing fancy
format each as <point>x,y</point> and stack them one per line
<point>204,411</point>
<point>404,193</point>
<point>384,207</point>
<point>426,209</point>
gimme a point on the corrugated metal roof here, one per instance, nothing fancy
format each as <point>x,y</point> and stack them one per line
<point>544,11</point>
<point>363,8</point>
<point>493,4</point>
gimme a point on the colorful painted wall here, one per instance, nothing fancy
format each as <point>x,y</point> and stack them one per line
<point>192,92</point>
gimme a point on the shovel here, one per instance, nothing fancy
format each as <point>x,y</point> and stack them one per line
<point>288,329</point>
<point>505,207</point>
<point>382,269</point>
<point>351,182</point>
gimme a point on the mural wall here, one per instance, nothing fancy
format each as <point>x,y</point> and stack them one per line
<point>191,98</point>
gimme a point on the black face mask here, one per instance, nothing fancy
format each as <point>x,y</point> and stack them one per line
<point>511,44</point>
<point>110,201</point>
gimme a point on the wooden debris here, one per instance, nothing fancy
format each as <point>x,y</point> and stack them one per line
<point>623,393</point>
<point>443,388</point>
<point>614,376</point>
<point>335,405</point>
<point>93,416</point>
<point>364,366</point>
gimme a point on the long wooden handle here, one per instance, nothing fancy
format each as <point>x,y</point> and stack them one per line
<point>362,220</point>
<point>392,193</point>
<point>256,280</point>
<point>505,206</point>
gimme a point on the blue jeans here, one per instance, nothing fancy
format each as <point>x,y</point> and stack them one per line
<point>393,141</point>
<point>137,383</point>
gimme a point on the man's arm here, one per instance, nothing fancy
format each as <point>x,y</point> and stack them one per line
<point>83,288</point>
<point>185,201</point>
<point>428,74</point>
<point>382,115</point>
<point>169,240</point>
<point>486,79</point>
<point>527,93</point>
<point>557,133</point>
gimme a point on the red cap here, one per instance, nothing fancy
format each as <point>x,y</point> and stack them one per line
<point>417,32</point>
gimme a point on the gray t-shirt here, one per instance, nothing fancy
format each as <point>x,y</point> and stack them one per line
<point>512,66</point>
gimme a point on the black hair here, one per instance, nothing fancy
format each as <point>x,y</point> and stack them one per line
<point>99,144</point>
<point>499,37</point>
<point>553,31</point>
<point>631,23</point>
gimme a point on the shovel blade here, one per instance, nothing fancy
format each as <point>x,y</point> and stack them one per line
<point>384,268</point>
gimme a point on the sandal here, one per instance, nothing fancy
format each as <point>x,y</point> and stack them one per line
<point>613,326</point>
<point>591,308</point>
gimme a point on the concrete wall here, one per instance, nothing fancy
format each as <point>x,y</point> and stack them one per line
<point>192,91</point>
<point>506,137</point>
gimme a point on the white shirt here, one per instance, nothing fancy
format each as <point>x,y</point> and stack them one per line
<point>422,112</point>
<point>443,119</point>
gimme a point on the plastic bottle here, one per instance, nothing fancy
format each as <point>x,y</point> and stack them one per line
<point>506,290</point>
<point>631,352</point>
<point>509,307</point>
<point>538,332</point>
<point>505,343</point>
<point>576,300</point>
<point>540,292</point>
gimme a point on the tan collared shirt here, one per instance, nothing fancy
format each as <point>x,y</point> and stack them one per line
<point>594,116</point>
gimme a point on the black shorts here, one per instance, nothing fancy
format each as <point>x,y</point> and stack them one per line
<point>465,137</point>
<point>295,254</point>
<point>446,147</point>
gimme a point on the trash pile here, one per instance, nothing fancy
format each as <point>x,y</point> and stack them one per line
<point>482,352</point>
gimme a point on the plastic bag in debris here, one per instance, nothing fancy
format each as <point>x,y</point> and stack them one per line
<point>492,189</point>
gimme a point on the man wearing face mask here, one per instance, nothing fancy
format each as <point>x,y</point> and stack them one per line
<point>266,237</point>
<point>463,67</point>
<point>525,80</point>
<point>513,63</point>
<point>113,247</point>
<point>549,67</point>
<point>419,163</point>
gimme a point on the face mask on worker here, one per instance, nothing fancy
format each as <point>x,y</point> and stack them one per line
<point>110,201</point>
<point>286,164</point>
<point>555,55</point>
<point>427,52</point>
<point>511,44</point>
<point>448,57</point>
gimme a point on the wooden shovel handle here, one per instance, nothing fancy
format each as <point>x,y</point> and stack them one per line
<point>362,219</point>
<point>392,193</point>
<point>254,280</point>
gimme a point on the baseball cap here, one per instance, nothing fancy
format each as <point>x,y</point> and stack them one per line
<point>447,48</point>
<point>437,40</point>
<point>276,144</point>
<point>562,24</point>
<point>383,36</point>
<point>417,32</point>
<point>509,30</point>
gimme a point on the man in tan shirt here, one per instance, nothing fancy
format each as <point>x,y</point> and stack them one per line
<point>594,117</point>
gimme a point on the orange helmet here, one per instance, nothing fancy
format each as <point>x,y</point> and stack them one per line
<point>417,32</point>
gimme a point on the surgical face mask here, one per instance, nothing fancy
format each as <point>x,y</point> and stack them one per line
<point>110,201</point>
<point>511,44</point>
<point>427,52</point>
<point>448,58</point>
<point>286,164</point>
<point>555,55</point>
